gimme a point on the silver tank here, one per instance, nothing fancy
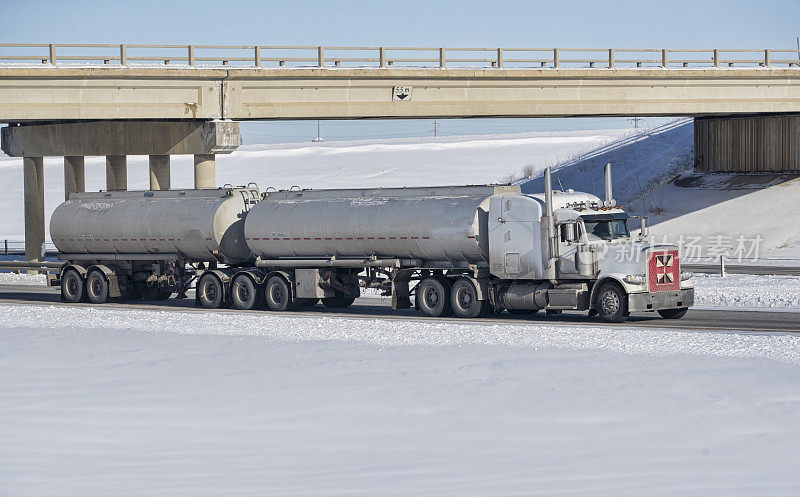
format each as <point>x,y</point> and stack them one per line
<point>433,224</point>
<point>191,223</point>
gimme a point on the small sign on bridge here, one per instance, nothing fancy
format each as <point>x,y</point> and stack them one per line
<point>401,93</point>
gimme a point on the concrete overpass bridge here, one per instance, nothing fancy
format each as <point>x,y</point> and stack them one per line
<point>160,100</point>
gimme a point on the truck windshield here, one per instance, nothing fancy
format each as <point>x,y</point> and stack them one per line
<point>608,229</point>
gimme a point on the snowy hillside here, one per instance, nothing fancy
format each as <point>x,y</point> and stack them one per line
<point>394,162</point>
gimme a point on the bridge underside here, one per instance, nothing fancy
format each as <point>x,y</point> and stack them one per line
<point>72,93</point>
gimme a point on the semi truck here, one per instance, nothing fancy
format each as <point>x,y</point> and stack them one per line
<point>466,251</point>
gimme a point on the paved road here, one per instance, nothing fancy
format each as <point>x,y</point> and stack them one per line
<point>695,319</point>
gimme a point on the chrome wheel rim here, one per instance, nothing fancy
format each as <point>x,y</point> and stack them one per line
<point>610,302</point>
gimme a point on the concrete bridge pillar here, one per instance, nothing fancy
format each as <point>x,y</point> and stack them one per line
<point>159,172</point>
<point>74,175</point>
<point>204,171</point>
<point>33,173</point>
<point>116,173</point>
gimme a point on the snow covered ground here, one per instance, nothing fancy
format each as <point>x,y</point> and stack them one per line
<point>132,402</point>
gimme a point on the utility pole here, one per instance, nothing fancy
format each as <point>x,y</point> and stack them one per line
<point>319,138</point>
<point>635,121</point>
<point>435,128</point>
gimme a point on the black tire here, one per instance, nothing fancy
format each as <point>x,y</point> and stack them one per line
<point>73,288</point>
<point>246,294</point>
<point>339,301</point>
<point>464,300</point>
<point>673,313</point>
<point>433,297</point>
<point>97,287</point>
<point>210,292</point>
<point>612,303</point>
<point>277,294</point>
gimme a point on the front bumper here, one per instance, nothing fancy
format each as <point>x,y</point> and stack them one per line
<point>660,300</point>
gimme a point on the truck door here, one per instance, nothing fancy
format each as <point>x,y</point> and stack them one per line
<point>514,237</point>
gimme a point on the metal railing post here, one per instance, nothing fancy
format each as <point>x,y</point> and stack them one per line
<point>52,54</point>
<point>441,58</point>
<point>716,57</point>
<point>123,55</point>
<point>766,58</point>
<point>257,56</point>
<point>382,56</point>
<point>320,57</point>
<point>555,58</point>
<point>499,58</point>
<point>191,55</point>
<point>611,58</point>
<point>664,61</point>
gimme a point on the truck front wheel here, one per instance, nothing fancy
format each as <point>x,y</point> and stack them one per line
<point>673,313</point>
<point>612,303</point>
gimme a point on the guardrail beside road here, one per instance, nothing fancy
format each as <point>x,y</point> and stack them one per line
<point>324,56</point>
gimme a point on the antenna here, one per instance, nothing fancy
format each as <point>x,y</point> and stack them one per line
<point>559,184</point>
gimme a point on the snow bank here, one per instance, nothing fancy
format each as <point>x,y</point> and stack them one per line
<point>22,279</point>
<point>747,291</point>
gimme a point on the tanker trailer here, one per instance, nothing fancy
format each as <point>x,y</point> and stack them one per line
<point>130,244</point>
<point>462,250</point>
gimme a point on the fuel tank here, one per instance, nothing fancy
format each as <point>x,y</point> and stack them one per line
<point>433,223</point>
<point>192,223</point>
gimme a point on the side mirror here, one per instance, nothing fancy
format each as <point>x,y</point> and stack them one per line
<point>569,232</point>
<point>643,229</point>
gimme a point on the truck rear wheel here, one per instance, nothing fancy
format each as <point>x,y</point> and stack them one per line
<point>97,287</point>
<point>73,289</point>
<point>209,291</point>
<point>277,294</point>
<point>612,303</point>
<point>246,295</point>
<point>673,313</point>
<point>464,300</point>
<point>433,297</point>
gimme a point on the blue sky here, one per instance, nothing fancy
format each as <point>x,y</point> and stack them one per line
<point>565,23</point>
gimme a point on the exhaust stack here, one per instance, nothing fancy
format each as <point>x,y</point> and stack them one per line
<point>609,193</point>
<point>551,225</point>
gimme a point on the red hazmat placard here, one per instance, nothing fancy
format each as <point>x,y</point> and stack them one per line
<point>663,271</point>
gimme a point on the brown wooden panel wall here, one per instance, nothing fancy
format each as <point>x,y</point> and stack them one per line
<point>747,144</point>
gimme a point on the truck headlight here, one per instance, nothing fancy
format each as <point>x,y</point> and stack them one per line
<point>685,275</point>
<point>636,279</point>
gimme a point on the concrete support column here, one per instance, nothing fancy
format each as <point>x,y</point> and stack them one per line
<point>74,177</point>
<point>204,171</point>
<point>159,172</point>
<point>116,172</point>
<point>33,172</point>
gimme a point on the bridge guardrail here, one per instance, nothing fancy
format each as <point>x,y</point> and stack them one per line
<point>385,57</point>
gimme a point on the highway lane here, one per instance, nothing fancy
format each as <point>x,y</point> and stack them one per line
<point>367,307</point>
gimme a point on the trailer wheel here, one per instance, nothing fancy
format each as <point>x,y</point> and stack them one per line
<point>673,313</point>
<point>464,300</point>
<point>277,294</point>
<point>612,303</point>
<point>339,301</point>
<point>433,297</point>
<point>97,287</point>
<point>73,289</point>
<point>209,291</point>
<point>246,295</point>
